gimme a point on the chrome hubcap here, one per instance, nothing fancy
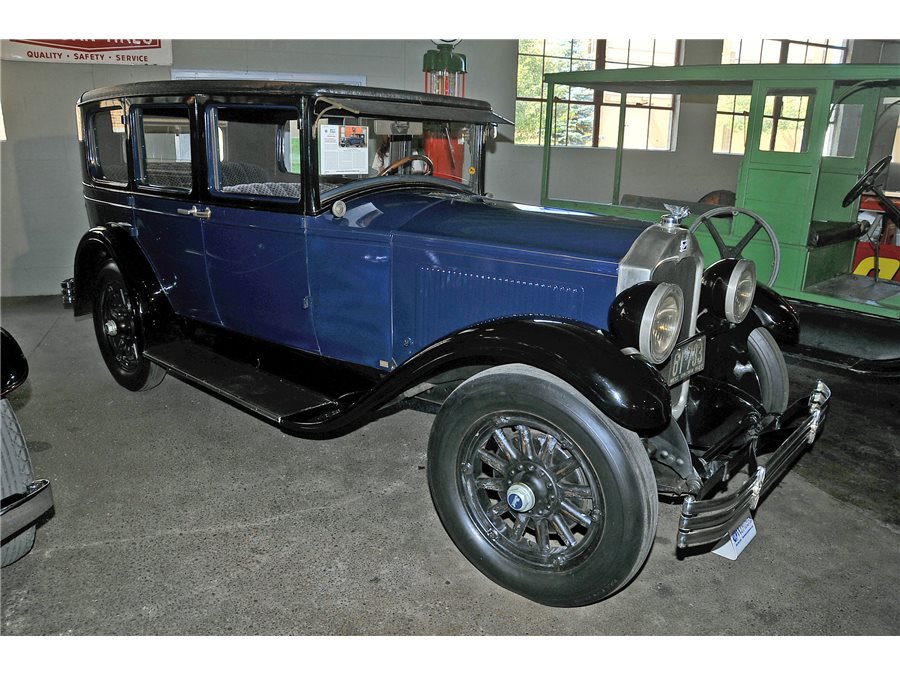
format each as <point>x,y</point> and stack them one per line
<point>110,327</point>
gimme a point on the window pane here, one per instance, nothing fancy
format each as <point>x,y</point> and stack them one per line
<point>843,130</point>
<point>637,121</point>
<point>660,128</point>
<point>165,147</point>
<point>529,77</point>
<point>609,126</point>
<point>784,122</point>
<point>531,47</point>
<point>258,151</point>
<point>529,122</point>
<point>108,145</point>
<point>561,48</point>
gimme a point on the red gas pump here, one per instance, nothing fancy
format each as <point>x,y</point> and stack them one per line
<point>445,74</point>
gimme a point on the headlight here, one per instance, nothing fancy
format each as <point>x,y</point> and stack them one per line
<point>648,316</point>
<point>729,287</point>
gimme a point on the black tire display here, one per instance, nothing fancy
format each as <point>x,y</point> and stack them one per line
<point>16,475</point>
<point>118,329</point>
<point>771,370</point>
<point>541,491</point>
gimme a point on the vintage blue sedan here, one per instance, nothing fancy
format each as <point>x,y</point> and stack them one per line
<point>325,255</point>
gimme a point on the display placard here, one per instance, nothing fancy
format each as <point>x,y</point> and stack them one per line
<point>343,149</point>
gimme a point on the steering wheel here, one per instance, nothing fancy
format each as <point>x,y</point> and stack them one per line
<point>866,181</point>
<point>393,166</point>
<point>735,251</point>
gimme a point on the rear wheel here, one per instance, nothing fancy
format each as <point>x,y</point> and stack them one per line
<point>543,493</point>
<point>117,325</point>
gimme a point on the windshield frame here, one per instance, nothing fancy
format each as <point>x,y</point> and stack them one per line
<point>324,107</point>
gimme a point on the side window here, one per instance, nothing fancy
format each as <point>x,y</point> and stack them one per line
<point>164,147</point>
<point>107,144</point>
<point>785,123</point>
<point>255,151</point>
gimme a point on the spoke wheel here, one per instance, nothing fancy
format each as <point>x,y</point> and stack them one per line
<point>117,316</point>
<point>735,251</point>
<point>117,325</point>
<point>531,491</point>
<point>541,491</point>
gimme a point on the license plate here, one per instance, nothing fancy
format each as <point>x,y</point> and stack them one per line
<point>687,359</point>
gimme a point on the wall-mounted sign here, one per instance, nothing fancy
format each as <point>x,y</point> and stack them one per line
<point>111,52</point>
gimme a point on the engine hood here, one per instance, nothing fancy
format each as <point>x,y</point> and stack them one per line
<point>510,225</point>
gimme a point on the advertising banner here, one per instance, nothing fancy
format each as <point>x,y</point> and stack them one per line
<point>113,52</point>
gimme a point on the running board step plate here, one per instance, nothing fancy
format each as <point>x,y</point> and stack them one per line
<point>261,392</point>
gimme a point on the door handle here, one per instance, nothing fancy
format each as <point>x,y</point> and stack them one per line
<point>205,213</point>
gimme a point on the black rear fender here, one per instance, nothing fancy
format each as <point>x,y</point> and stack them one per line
<point>103,243</point>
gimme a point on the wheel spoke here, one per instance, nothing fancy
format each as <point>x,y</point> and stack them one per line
<point>542,535</point>
<point>559,524</point>
<point>742,244</point>
<point>566,467</point>
<point>497,484</point>
<point>492,460</point>
<point>526,441</point>
<point>575,512</point>
<point>505,445</point>
<point>576,491</point>
<point>521,524</point>
<point>717,238</point>
<point>547,449</point>
<point>498,509</point>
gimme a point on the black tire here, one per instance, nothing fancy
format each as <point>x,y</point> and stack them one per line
<point>117,325</point>
<point>771,370</point>
<point>595,507</point>
<point>16,475</point>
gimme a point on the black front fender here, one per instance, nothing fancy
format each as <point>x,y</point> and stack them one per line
<point>628,391</point>
<point>776,314</point>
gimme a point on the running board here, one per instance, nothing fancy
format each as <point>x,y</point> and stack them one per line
<point>256,390</point>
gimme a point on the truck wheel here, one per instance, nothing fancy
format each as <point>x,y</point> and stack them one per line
<point>541,491</point>
<point>117,325</point>
<point>16,476</point>
<point>771,370</point>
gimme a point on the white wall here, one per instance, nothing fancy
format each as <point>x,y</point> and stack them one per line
<point>41,210</point>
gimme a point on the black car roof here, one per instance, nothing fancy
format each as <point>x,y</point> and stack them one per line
<point>464,108</point>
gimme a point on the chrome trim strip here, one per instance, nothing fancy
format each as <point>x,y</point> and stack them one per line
<point>28,507</point>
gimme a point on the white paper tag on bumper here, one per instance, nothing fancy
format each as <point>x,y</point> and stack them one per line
<point>737,541</point>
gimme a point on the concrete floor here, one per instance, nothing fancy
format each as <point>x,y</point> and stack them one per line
<point>177,513</point>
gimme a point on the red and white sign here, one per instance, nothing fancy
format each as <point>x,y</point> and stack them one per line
<point>110,52</point>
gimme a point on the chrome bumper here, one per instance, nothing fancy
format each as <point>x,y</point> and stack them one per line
<point>26,507</point>
<point>706,521</point>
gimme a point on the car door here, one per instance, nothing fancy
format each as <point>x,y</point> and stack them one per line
<point>254,233</point>
<point>167,217</point>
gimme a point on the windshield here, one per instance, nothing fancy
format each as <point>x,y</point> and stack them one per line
<point>356,149</point>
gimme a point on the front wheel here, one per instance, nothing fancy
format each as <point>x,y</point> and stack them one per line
<point>543,493</point>
<point>771,370</point>
<point>117,325</point>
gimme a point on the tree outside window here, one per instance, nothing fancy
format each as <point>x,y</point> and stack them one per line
<point>584,117</point>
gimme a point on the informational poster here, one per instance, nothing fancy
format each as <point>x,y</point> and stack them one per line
<point>343,149</point>
<point>125,52</point>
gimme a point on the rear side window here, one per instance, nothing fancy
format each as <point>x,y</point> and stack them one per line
<point>108,149</point>
<point>164,147</point>
<point>255,151</point>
